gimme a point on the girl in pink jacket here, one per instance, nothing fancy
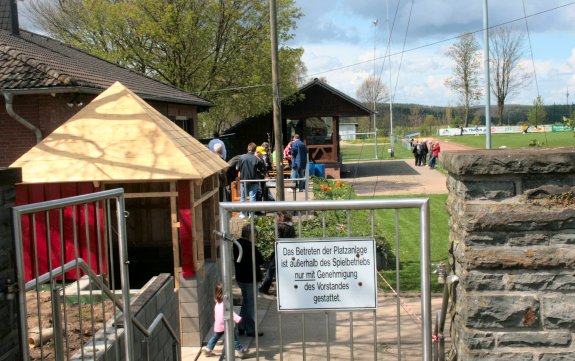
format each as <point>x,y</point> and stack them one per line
<point>219,325</point>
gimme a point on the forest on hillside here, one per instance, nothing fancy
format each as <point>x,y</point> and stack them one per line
<point>424,118</point>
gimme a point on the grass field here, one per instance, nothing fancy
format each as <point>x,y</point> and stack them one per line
<point>409,248</point>
<point>550,140</point>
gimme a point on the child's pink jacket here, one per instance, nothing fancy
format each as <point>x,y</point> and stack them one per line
<point>219,317</point>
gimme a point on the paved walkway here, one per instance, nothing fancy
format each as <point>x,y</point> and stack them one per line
<point>338,326</point>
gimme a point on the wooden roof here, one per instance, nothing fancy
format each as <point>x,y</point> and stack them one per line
<point>118,137</point>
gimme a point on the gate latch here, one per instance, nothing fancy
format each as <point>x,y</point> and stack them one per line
<point>8,289</point>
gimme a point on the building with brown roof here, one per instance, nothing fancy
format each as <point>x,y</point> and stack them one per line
<point>43,82</point>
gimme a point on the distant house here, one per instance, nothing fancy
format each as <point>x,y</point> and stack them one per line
<point>44,82</point>
<point>347,131</point>
<point>313,112</point>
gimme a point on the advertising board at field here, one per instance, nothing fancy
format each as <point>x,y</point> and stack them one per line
<point>333,274</point>
<point>507,129</point>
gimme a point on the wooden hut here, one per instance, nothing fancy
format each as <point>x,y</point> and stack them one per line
<point>313,112</point>
<point>171,187</point>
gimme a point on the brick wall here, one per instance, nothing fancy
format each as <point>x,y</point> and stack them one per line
<point>197,304</point>
<point>513,236</point>
<point>9,313</point>
<point>48,112</point>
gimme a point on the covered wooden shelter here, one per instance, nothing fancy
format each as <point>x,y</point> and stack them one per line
<point>171,180</point>
<point>118,140</point>
<point>313,112</point>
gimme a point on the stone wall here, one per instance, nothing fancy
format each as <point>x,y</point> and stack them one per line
<point>197,304</point>
<point>512,230</point>
<point>157,296</point>
<point>9,313</point>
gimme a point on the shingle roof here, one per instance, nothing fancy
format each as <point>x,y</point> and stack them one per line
<point>32,61</point>
<point>118,137</point>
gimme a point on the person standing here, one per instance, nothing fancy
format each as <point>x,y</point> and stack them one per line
<point>285,230</point>
<point>248,166</point>
<point>299,161</point>
<point>245,280</point>
<point>434,154</point>
<point>216,140</point>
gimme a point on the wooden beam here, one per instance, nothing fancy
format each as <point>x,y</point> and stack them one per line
<point>206,196</point>
<point>175,233</point>
<point>152,194</point>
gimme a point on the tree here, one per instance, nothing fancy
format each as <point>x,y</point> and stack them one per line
<point>201,46</point>
<point>537,113</point>
<point>372,91</point>
<point>507,75</point>
<point>465,79</point>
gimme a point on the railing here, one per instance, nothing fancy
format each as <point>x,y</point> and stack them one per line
<point>56,242</point>
<point>93,277</point>
<point>321,207</point>
<point>441,316</point>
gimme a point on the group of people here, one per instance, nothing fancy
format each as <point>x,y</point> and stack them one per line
<point>425,150</point>
<point>245,321</point>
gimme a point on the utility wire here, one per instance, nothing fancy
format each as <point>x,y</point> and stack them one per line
<point>315,75</point>
<point>397,78</point>
<point>534,71</point>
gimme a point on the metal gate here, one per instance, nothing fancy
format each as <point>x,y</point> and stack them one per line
<point>347,211</point>
<point>67,255</point>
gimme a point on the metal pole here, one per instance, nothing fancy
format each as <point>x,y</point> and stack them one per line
<point>487,80</point>
<point>375,90</point>
<point>226,257</point>
<point>278,136</point>
<point>425,281</point>
<point>391,142</point>
<point>125,276</point>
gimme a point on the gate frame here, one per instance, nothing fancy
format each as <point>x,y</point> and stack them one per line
<point>226,209</point>
<point>19,211</point>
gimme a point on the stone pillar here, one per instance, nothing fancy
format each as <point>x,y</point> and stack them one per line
<point>512,229</point>
<point>9,312</point>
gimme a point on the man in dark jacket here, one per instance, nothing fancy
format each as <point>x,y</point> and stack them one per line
<point>299,162</point>
<point>249,167</point>
<point>245,280</point>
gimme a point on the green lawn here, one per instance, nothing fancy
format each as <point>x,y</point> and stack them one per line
<point>551,140</point>
<point>409,247</point>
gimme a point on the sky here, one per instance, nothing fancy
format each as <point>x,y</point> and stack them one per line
<point>339,38</point>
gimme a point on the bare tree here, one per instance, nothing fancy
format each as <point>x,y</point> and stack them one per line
<point>465,79</point>
<point>372,91</point>
<point>508,76</point>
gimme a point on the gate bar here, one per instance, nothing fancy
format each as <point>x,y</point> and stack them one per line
<point>422,203</point>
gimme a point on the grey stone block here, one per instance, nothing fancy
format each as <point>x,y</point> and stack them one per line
<point>477,340</point>
<point>539,281</point>
<point>496,356</point>
<point>500,311</point>
<point>534,339</point>
<point>563,237</point>
<point>558,311</point>
<point>478,281</point>
<point>527,239</point>
<point>557,356</point>
<point>530,258</point>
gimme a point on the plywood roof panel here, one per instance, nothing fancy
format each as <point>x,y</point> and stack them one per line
<point>118,137</point>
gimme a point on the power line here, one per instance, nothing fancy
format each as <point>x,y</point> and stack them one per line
<point>315,75</point>
<point>445,40</point>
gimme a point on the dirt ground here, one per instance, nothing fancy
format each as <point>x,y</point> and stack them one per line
<point>78,323</point>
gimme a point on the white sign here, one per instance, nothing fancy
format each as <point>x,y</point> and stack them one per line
<point>326,274</point>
